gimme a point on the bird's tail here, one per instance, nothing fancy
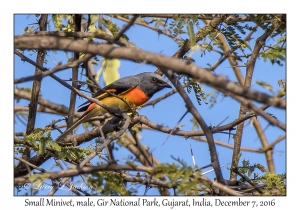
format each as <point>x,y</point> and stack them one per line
<point>83,118</point>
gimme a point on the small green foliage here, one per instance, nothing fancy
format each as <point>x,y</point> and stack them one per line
<point>190,30</point>
<point>54,145</point>
<point>173,172</point>
<point>213,96</point>
<point>233,38</point>
<point>57,21</point>
<point>248,169</point>
<point>282,84</point>
<point>38,178</point>
<point>39,138</point>
<point>184,178</point>
<point>113,28</point>
<point>178,27</point>
<point>265,85</point>
<point>188,58</point>
<point>109,184</point>
<point>195,86</point>
<point>42,146</point>
<point>275,55</point>
<point>196,125</point>
<point>273,181</point>
<point>92,24</point>
<point>72,153</point>
<point>93,18</point>
<point>25,89</point>
<point>28,29</point>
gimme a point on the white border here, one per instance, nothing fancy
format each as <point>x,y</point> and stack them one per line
<point>154,6</point>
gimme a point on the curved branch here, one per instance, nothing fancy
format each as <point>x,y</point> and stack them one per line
<point>96,35</point>
<point>85,170</point>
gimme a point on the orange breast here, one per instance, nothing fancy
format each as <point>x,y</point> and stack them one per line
<point>135,96</point>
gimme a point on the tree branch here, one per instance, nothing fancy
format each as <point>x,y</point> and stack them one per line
<point>243,107</point>
<point>176,65</point>
<point>124,29</point>
<point>192,109</point>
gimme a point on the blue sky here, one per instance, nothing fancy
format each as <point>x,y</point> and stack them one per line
<point>170,110</point>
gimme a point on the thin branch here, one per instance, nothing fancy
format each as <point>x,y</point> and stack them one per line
<point>141,148</point>
<point>30,164</point>
<point>187,134</point>
<point>99,149</point>
<point>246,103</point>
<point>155,101</point>
<point>44,171</point>
<point>45,103</point>
<point>270,146</point>
<point>85,170</point>
<point>109,109</point>
<point>230,19</point>
<point>264,143</point>
<point>124,29</point>
<point>150,27</point>
<point>107,37</point>
<point>235,170</point>
<point>128,142</point>
<point>47,72</point>
<point>72,101</point>
<point>198,36</point>
<point>114,167</point>
<point>208,133</point>
<point>36,86</point>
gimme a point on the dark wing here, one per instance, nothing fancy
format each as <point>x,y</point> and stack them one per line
<point>117,87</point>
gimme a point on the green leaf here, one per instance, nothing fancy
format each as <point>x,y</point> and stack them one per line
<point>54,145</point>
<point>93,18</point>
<point>265,85</point>
<point>111,73</point>
<point>92,28</point>
<point>42,146</point>
<point>57,20</point>
<point>38,178</point>
<point>190,29</point>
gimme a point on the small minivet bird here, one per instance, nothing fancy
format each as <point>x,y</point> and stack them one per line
<point>136,90</point>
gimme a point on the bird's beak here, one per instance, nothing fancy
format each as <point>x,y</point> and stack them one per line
<point>166,85</point>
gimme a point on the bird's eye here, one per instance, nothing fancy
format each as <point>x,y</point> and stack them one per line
<point>154,79</point>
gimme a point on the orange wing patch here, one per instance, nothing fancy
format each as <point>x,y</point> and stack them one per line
<point>91,106</point>
<point>111,90</point>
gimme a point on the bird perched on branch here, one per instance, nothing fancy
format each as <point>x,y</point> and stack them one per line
<point>134,90</point>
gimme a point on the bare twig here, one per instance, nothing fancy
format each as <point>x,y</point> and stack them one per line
<point>107,37</point>
<point>208,133</point>
<point>30,164</point>
<point>36,86</point>
<point>47,72</point>
<point>235,170</point>
<point>124,29</point>
<point>140,147</point>
<point>150,27</point>
<point>246,103</point>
